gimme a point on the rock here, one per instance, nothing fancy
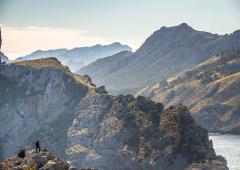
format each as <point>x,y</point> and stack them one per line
<point>18,161</point>
<point>121,131</point>
<point>3,58</point>
<point>37,161</point>
<point>210,90</point>
<point>73,168</point>
<point>21,153</point>
<point>101,89</point>
<point>0,38</point>
<point>218,164</point>
<point>41,99</point>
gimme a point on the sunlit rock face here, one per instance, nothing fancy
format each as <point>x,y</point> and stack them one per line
<point>42,99</point>
<point>0,38</point>
<point>3,58</point>
<point>118,132</point>
<point>210,90</point>
<point>36,103</point>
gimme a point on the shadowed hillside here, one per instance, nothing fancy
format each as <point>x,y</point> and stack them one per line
<point>80,56</point>
<point>166,52</point>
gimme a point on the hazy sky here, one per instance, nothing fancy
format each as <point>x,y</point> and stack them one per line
<point>28,25</point>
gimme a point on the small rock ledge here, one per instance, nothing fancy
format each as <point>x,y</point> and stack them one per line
<point>33,160</point>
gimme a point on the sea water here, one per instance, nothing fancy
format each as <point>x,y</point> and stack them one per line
<point>229,147</point>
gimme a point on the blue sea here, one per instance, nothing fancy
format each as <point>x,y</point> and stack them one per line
<point>229,147</point>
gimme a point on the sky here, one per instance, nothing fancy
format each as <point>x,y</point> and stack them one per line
<point>29,25</point>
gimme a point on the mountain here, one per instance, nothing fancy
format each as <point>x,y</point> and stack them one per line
<point>78,57</point>
<point>210,89</point>
<point>3,58</point>
<point>0,38</point>
<point>166,52</point>
<point>42,99</point>
<point>104,67</point>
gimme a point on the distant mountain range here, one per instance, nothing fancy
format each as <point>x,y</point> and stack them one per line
<point>78,57</point>
<point>166,52</point>
<point>211,90</point>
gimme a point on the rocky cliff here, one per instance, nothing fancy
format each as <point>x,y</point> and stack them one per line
<point>35,160</point>
<point>37,100</point>
<point>0,38</point>
<point>42,99</point>
<point>3,58</point>
<point>210,90</point>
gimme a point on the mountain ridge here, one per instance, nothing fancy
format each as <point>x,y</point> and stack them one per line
<point>77,57</point>
<point>166,52</point>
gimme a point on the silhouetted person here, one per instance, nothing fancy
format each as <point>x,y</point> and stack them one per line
<point>38,149</point>
<point>21,153</point>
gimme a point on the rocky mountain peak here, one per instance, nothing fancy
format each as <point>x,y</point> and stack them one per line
<point>179,28</point>
<point>50,62</point>
<point>190,139</point>
<point>3,58</point>
<point>184,26</point>
<point>0,38</point>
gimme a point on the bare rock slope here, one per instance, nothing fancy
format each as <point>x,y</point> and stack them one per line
<point>41,99</point>
<point>211,91</point>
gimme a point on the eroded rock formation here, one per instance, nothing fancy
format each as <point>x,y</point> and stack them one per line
<point>42,99</point>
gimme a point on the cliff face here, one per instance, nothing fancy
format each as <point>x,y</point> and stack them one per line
<point>2,56</point>
<point>35,160</point>
<point>119,132</point>
<point>42,99</point>
<point>210,90</point>
<point>0,38</point>
<point>36,102</point>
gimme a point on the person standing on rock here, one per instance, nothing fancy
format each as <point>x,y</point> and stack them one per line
<point>38,148</point>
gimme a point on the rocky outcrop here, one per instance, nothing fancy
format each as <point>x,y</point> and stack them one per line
<point>166,52</point>
<point>118,132</point>
<point>0,38</point>
<point>210,90</point>
<point>43,160</point>
<point>216,164</point>
<point>38,100</point>
<point>42,99</point>
<point>3,58</point>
